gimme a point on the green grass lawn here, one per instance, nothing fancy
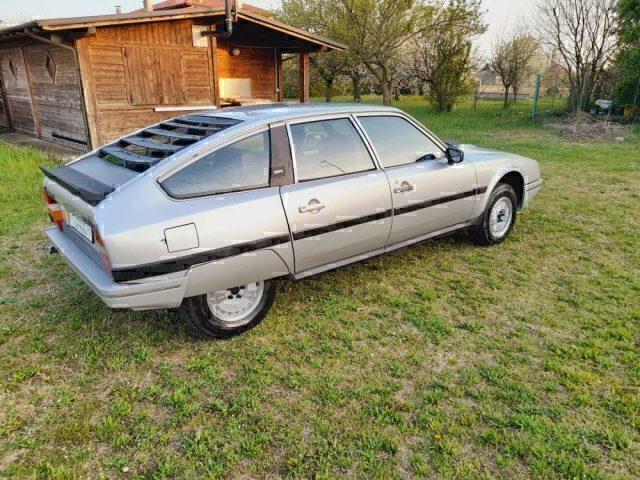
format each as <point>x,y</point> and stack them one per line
<point>444,360</point>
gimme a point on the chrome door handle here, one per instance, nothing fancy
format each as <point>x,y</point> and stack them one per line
<point>311,208</point>
<point>405,187</point>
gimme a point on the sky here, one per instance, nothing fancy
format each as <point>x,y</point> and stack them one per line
<point>499,13</point>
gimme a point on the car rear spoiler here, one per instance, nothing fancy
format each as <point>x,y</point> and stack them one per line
<point>87,188</point>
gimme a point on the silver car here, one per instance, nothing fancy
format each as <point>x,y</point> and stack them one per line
<point>204,211</point>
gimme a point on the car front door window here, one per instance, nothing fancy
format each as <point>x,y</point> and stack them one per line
<point>398,142</point>
<point>329,148</point>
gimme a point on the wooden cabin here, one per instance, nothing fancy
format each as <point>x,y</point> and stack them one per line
<point>82,82</point>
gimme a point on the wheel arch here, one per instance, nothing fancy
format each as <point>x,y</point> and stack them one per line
<point>516,181</point>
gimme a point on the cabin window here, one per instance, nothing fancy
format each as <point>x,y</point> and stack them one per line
<point>50,66</point>
<point>329,148</point>
<point>243,165</point>
<point>13,68</point>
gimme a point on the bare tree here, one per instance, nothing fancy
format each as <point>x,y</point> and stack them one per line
<point>512,60</point>
<point>583,32</point>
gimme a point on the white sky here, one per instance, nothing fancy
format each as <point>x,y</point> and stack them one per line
<point>500,13</point>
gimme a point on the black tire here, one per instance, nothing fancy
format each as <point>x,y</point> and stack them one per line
<point>203,323</point>
<point>482,234</point>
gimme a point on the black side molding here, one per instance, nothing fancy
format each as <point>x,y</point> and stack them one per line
<point>87,188</point>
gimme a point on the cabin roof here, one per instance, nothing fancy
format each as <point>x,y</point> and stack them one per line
<point>78,23</point>
<point>173,4</point>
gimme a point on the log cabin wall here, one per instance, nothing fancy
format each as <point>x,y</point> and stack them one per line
<point>128,71</point>
<point>256,64</point>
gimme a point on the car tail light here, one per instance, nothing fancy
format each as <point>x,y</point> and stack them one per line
<point>106,261</point>
<point>55,212</point>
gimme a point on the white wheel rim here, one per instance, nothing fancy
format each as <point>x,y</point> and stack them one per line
<point>234,306</point>
<point>501,216</point>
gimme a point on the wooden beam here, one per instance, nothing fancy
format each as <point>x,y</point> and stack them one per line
<point>213,65</point>
<point>304,77</point>
<point>88,93</point>
<point>279,91</point>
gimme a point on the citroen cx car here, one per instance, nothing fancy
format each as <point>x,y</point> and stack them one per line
<point>205,211</point>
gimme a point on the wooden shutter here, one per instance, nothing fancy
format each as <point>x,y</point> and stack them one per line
<point>155,75</point>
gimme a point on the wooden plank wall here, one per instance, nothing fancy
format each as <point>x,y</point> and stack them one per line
<point>17,91</point>
<point>127,71</point>
<point>257,64</point>
<point>56,98</point>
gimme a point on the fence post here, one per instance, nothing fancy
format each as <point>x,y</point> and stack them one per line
<point>536,96</point>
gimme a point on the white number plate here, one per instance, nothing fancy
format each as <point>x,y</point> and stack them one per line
<point>82,227</point>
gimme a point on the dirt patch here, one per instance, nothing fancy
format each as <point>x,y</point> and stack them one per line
<point>584,126</point>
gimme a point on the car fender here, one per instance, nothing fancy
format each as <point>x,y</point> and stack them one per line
<point>233,271</point>
<point>483,199</point>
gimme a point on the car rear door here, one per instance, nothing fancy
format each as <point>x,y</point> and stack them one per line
<point>339,205</point>
<point>428,194</point>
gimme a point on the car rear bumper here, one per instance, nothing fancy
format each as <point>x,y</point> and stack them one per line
<point>158,293</point>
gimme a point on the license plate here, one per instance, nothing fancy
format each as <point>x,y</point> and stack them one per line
<point>82,227</point>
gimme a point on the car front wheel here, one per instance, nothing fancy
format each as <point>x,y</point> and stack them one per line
<point>498,218</point>
<point>229,312</point>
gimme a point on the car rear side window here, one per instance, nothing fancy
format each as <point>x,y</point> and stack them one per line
<point>398,142</point>
<point>329,148</point>
<point>243,165</point>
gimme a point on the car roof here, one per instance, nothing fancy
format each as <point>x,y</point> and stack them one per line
<point>280,112</point>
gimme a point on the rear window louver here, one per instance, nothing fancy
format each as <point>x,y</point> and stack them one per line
<point>152,145</point>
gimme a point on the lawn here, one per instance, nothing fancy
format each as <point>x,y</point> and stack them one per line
<point>443,360</point>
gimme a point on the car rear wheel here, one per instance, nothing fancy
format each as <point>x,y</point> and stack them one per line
<point>228,312</point>
<point>498,218</point>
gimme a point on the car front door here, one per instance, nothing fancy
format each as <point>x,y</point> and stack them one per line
<point>339,206</point>
<point>428,194</point>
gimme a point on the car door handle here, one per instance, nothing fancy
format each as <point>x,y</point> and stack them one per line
<point>311,208</point>
<point>405,187</point>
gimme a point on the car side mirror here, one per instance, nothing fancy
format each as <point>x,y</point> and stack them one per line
<point>454,155</point>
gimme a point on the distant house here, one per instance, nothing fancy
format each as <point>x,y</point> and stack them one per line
<point>85,81</point>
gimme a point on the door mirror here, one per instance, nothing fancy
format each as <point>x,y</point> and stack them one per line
<point>454,155</point>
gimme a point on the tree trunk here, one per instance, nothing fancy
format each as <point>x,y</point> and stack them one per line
<point>357,89</point>
<point>515,95</point>
<point>506,98</point>
<point>328,95</point>
<point>386,93</point>
<point>421,88</point>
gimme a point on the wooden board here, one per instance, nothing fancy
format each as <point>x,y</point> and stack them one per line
<point>16,87</point>
<point>4,108</point>
<point>56,94</point>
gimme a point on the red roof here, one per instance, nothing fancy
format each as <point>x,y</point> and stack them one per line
<point>172,4</point>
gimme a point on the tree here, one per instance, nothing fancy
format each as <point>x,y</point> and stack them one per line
<point>512,60</point>
<point>329,66</point>
<point>583,32</point>
<point>318,16</point>
<point>627,90</point>
<point>375,32</point>
<point>444,61</point>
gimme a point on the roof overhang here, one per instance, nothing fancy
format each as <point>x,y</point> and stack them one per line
<point>78,25</point>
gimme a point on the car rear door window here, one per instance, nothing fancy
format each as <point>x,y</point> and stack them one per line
<point>397,141</point>
<point>243,165</point>
<point>329,148</point>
